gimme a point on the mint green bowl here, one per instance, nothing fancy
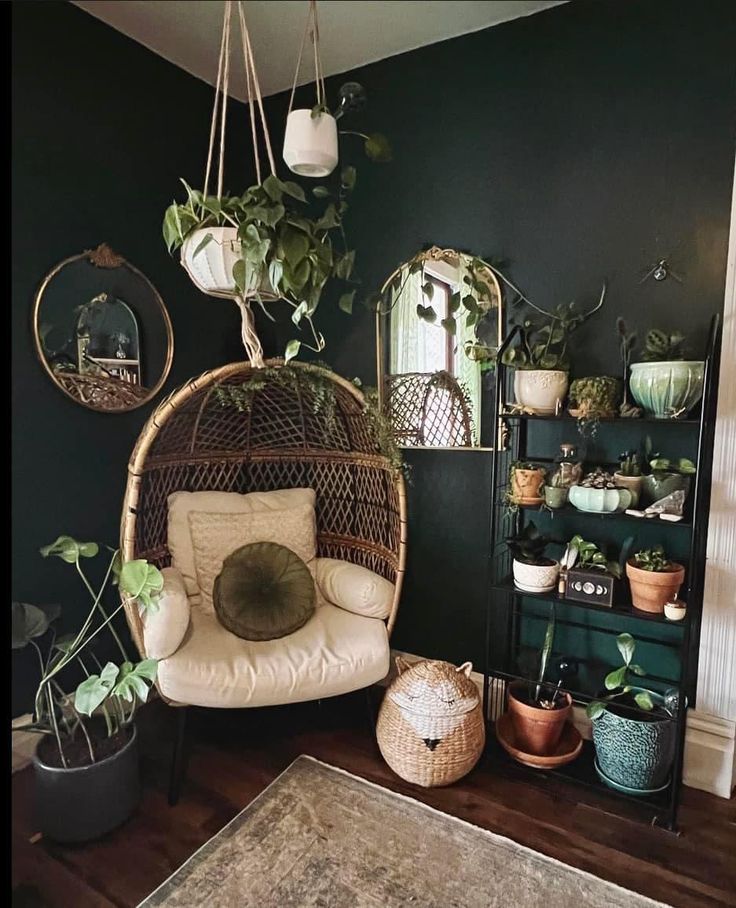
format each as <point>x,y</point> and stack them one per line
<point>667,390</point>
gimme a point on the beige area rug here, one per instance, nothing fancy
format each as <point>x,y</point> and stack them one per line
<point>319,837</point>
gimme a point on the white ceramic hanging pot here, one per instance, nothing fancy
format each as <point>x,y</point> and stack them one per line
<point>210,266</point>
<point>310,143</point>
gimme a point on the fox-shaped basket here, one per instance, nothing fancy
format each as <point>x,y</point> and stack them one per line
<point>430,726</point>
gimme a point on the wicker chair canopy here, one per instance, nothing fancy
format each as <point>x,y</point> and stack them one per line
<point>203,437</point>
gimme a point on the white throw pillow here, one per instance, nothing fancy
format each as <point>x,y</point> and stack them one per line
<point>165,628</point>
<point>181,504</point>
<point>215,536</point>
<point>354,588</point>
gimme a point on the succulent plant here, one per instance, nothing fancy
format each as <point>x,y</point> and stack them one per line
<point>629,464</point>
<point>654,560</point>
<point>597,395</point>
<point>662,347</point>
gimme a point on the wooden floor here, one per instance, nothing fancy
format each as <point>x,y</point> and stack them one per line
<point>236,754</point>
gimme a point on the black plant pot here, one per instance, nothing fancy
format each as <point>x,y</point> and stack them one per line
<point>77,805</point>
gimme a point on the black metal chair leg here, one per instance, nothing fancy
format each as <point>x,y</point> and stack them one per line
<point>179,757</point>
<point>371,712</point>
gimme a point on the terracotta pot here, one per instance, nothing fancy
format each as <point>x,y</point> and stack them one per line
<point>650,590</point>
<point>526,486</point>
<point>632,483</point>
<point>537,731</point>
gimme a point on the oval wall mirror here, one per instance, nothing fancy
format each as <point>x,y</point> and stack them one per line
<point>102,331</point>
<point>438,328</point>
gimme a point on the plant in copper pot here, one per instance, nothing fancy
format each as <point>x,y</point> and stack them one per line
<point>539,710</point>
<point>654,579</point>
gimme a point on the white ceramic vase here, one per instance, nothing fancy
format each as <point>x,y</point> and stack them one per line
<point>536,578</point>
<point>310,143</point>
<point>211,268</point>
<point>539,390</point>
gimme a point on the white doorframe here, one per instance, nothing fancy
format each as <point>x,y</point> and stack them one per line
<point>710,745</point>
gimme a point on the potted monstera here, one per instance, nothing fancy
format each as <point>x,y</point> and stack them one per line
<point>86,762</point>
<point>541,358</point>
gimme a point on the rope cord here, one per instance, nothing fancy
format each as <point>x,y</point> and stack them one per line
<point>318,74</point>
<point>213,126</point>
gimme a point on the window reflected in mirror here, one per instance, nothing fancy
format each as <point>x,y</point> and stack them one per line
<point>438,330</point>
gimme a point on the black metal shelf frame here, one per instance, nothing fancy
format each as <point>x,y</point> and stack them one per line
<point>502,594</point>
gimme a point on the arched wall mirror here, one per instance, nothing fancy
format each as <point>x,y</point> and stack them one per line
<point>102,331</point>
<point>438,327</point>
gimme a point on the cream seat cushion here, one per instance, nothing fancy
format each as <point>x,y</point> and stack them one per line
<point>181,504</point>
<point>334,653</point>
<point>354,587</point>
<point>165,626</point>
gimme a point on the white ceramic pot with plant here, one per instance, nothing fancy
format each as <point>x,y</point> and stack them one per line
<point>310,143</point>
<point>533,572</point>
<point>86,764</point>
<point>540,357</point>
<point>210,255</point>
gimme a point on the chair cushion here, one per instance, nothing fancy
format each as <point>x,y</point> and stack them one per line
<point>264,591</point>
<point>333,653</point>
<point>181,504</point>
<point>215,536</point>
<point>355,588</point>
<point>164,628</point>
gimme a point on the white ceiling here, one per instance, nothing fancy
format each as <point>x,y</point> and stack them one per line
<point>352,32</point>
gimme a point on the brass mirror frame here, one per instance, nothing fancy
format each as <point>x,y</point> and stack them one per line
<point>433,254</point>
<point>102,257</point>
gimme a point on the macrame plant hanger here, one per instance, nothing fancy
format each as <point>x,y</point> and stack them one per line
<point>251,341</point>
<point>311,29</point>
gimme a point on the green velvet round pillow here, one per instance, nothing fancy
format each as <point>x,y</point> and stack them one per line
<point>263,591</point>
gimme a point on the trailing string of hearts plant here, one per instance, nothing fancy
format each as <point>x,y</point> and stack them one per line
<point>262,245</point>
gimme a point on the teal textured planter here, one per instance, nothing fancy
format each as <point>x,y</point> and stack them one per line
<point>657,485</point>
<point>635,753</point>
<point>667,390</point>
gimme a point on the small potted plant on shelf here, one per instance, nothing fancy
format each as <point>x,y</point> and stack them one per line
<point>541,356</point>
<point>628,476</point>
<point>86,762</point>
<point>597,396</point>
<point>538,710</point>
<point>626,343</point>
<point>532,570</point>
<point>592,574</point>
<point>556,492</point>
<point>525,483</point>
<point>633,728</point>
<point>664,475</point>
<point>599,493</point>
<point>654,579</point>
<point>664,383</point>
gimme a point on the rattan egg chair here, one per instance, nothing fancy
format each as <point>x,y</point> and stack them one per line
<point>281,439</point>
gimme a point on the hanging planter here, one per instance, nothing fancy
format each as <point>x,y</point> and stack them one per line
<point>260,245</point>
<point>310,140</point>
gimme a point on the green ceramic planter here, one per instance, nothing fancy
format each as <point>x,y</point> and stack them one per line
<point>657,485</point>
<point>667,390</point>
<point>632,752</point>
<point>555,497</point>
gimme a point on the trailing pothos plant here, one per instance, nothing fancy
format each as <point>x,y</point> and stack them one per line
<point>111,691</point>
<point>352,98</point>
<point>282,242</point>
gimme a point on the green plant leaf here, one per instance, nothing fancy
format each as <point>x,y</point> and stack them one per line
<point>299,313</point>
<point>69,550</point>
<point>644,700</point>
<point>321,192</point>
<point>450,325</point>
<point>30,621</point>
<point>428,290</point>
<point>626,646</point>
<point>455,302</point>
<point>595,709</point>
<point>292,350</point>
<point>136,680</point>
<point>615,678</point>
<point>378,148</point>
<point>348,177</point>
<point>345,303</point>
<point>329,219</point>
<point>470,302</point>
<point>294,190</point>
<point>295,245</point>
<point>637,670</point>
<point>426,313</point>
<point>143,582</point>
<point>344,266</point>
<point>93,691</point>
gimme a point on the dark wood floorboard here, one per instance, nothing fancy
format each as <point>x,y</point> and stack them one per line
<point>235,754</point>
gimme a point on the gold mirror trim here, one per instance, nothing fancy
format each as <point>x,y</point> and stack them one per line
<point>102,257</point>
<point>452,257</point>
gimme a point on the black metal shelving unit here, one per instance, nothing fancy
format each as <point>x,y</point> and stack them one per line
<point>508,607</point>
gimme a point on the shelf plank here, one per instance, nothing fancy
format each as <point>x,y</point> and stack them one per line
<point>648,420</point>
<point>569,509</point>
<point>625,610</point>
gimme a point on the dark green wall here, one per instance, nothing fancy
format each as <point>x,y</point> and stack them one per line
<point>582,142</point>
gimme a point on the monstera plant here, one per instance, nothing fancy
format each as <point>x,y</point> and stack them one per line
<point>86,763</point>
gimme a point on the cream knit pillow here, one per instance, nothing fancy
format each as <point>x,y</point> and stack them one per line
<point>215,536</point>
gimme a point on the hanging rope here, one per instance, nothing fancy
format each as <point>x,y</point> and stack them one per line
<point>251,341</point>
<point>318,74</point>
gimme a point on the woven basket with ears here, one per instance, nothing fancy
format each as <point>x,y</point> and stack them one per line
<point>430,727</point>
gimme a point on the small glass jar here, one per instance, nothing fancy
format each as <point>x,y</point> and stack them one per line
<point>568,470</point>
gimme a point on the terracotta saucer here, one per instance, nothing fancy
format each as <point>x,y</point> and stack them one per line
<point>568,748</point>
<point>528,501</point>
